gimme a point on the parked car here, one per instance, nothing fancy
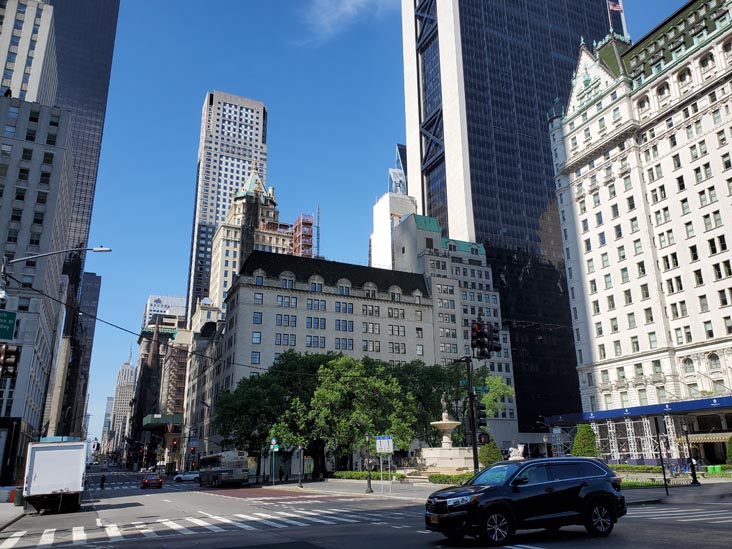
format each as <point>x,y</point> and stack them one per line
<point>150,480</point>
<point>527,494</point>
<point>187,475</point>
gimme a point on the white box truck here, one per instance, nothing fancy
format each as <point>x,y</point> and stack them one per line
<point>55,475</point>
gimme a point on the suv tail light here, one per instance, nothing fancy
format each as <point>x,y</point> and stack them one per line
<point>616,482</point>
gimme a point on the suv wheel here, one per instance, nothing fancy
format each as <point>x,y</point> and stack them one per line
<point>599,518</point>
<point>497,527</point>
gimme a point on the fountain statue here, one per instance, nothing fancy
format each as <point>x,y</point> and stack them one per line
<point>446,427</point>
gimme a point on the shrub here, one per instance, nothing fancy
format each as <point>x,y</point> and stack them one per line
<point>622,468</point>
<point>729,450</point>
<point>449,479</point>
<point>584,441</point>
<point>489,453</point>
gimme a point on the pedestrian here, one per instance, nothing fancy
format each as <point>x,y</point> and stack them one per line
<point>281,473</point>
<point>102,481</point>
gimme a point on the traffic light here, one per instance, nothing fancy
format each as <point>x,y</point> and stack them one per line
<point>475,331</point>
<point>9,355</point>
<point>468,439</point>
<point>175,445</point>
<point>483,340</point>
<point>494,341</point>
<point>481,420</point>
<point>193,449</point>
<point>483,438</point>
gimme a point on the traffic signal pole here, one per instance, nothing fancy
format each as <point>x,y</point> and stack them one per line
<point>471,411</point>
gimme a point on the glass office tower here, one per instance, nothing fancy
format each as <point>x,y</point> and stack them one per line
<point>85,32</point>
<point>479,79</point>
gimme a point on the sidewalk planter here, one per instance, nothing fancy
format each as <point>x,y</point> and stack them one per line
<point>18,498</point>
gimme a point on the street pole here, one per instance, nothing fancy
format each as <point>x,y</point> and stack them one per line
<point>690,459</point>
<point>660,454</point>
<point>302,465</point>
<point>369,490</point>
<point>471,416</point>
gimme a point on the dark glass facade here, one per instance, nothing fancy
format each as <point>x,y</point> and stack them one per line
<point>85,33</point>
<point>517,56</point>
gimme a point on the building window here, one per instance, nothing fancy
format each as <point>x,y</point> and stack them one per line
<point>257,317</point>
<point>258,298</point>
<point>255,357</point>
<point>256,338</point>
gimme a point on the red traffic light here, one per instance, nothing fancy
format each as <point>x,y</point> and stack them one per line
<point>193,449</point>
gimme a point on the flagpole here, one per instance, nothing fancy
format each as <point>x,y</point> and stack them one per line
<point>609,16</point>
<point>622,18</point>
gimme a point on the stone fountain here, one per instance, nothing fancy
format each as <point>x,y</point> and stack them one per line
<point>447,458</point>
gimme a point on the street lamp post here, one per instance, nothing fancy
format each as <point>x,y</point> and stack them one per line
<point>690,459</point>
<point>369,490</point>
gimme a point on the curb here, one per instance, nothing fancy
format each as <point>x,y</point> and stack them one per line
<point>12,521</point>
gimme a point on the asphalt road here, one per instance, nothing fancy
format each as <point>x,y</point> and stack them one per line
<point>183,515</point>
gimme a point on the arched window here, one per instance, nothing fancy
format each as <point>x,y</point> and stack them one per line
<point>688,365</point>
<point>713,361</point>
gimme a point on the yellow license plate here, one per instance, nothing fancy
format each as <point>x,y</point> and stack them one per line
<point>433,519</point>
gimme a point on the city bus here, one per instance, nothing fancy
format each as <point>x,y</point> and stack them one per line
<point>224,468</point>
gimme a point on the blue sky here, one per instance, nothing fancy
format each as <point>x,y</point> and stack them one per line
<point>330,73</point>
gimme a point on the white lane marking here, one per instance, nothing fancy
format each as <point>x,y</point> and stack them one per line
<point>144,530</point>
<point>257,519</point>
<point>12,540</point>
<point>423,532</point>
<point>229,521</point>
<point>720,521</point>
<point>311,519</point>
<point>199,522</point>
<point>167,501</point>
<point>526,546</point>
<point>78,535</point>
<point>47,537</point>
<point>175,526</point>
<point>113,533</point>
<point>286,521</point>
<point>99,523</point>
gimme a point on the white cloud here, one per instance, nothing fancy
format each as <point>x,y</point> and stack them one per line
<point>326,18</point>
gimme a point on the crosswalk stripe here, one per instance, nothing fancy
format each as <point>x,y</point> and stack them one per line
<point>267,522</point>
<point>47,537</point>
<point>311,519</point>
<point>286,521</point>
<point>229,521</point>
<point>199,522</point>
<point>175,526</point>
<point>113,533</point>
<point>720,521</point>
<point>683,516</point>
<point>78,535</point>
<point>663,511</point>
<point>330,515</point>
<point>12,540</point>
<point>350,514</point>
<point>706,516</point>
<point>144,530</point>
<point>525,546</point>
<point>337,516</point>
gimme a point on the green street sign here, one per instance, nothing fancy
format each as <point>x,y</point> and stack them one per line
<point>7,324</point>
<point>275,448</point>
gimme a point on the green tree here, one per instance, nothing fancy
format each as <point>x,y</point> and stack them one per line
<point>350,402</point>
<point>498,392</point>
<point>584,441</point>
<point>489,453</point>
<point>429,385</point>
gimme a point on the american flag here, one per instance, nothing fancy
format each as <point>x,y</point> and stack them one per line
<point>614,5</point>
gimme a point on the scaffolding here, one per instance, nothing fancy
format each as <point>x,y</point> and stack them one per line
<point>635,439</point>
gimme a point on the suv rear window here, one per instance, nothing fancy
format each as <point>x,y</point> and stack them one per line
<point>562,471</point>
<point>591,470</point>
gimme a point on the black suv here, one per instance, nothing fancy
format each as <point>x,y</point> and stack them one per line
<point>536,493</point>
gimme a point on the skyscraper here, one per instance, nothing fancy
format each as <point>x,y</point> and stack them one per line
<point>84,31</point>
<point>478,79</point>
<point>123,392</point>
<point>232,144</point>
